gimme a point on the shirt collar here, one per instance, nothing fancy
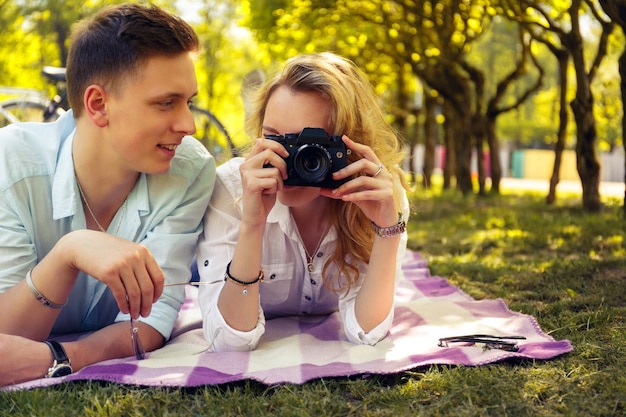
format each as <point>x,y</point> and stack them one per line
<point>66,200</point>
<point>280,214</point>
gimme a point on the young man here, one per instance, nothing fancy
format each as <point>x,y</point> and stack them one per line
<point>103,207</point>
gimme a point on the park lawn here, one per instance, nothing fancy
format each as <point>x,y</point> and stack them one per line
<point>560,264</point>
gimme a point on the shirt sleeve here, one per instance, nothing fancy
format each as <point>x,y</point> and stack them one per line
<point>354,332</point>
<point>221,336</point>
<point>17,253</point>
<point>215,250</point>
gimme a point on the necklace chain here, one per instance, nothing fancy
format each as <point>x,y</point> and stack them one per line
<point>309,265</point>
<point>93,216</point>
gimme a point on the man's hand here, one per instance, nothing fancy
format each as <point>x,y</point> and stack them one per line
<point>127,268</point>
<point>25,359</point>
<point>22,359</point>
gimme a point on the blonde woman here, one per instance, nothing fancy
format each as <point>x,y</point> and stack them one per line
<point>278,245</point>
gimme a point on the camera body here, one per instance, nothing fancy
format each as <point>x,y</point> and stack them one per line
<point>313,157</point>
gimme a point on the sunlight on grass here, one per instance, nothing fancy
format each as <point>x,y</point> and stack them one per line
<point>563,266</point>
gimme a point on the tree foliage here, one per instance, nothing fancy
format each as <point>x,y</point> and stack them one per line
<point>403,45</point>
<point>450,72</point>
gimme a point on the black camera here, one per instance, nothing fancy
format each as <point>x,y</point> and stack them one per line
<point>313,157</point>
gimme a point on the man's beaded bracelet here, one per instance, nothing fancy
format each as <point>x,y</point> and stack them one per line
<point>392,230</point>
<point>228,276</point>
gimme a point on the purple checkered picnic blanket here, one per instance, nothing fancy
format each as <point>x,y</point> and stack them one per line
<point>298,349</point>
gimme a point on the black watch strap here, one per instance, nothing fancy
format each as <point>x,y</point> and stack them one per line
<point>61,365</point>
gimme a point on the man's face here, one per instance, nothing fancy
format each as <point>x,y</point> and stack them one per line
<point>148,118</point>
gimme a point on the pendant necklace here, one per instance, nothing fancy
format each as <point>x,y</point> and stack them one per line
<point>93,216</point>
<point>309,266</point>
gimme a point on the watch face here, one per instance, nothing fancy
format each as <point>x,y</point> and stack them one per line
<point>61,370</point>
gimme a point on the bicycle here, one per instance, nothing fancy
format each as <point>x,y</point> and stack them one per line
<point>33,105</point>
<point>213,135</point>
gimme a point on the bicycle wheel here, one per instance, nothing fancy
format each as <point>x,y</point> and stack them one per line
<point>26,110</point>
<point>213,135</point>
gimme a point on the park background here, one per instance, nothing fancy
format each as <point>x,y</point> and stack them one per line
<point>478,90</point>
<point>561,263</point>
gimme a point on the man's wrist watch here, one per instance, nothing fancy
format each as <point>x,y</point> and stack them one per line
<point>61,365</point>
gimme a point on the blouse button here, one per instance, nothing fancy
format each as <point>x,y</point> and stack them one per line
<point>320,254</point>
<point>313,282</point>
<point>206,262</point>
<point>308,298</point>
<point>272,276</point>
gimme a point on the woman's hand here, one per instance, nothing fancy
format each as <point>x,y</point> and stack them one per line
<point>261,181</point>
<point>372,192</point>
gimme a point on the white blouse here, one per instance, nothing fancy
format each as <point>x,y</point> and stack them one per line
<point>289,288</point>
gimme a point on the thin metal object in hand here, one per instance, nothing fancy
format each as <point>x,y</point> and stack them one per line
<point>140,353</point>
<point>192,283</point>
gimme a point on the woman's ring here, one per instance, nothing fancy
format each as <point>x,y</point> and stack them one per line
<point>380,168</point>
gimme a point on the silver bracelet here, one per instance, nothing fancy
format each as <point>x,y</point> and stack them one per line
<point>39,296</point>
<point>392,230</point>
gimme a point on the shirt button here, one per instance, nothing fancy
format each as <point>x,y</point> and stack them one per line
<point>272,276</point>
<point>313,282</point>
<point>308,298</point>
<point>320,254</point>
<point>206,262</point>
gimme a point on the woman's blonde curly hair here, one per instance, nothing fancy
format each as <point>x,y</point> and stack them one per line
<point>354,111</point>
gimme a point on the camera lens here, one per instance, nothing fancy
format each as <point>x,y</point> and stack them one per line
<point>312,163</point>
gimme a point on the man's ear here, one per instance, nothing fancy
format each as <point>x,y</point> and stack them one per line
<point>95,100</point>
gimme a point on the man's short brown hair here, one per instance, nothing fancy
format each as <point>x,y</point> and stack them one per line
<point>117,41</point>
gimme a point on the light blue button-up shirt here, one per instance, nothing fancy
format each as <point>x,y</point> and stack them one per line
<point>40,203</point>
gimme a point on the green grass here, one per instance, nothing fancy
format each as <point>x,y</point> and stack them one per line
<point>560,264</point>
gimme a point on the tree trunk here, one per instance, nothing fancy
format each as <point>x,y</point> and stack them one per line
<point>563,59</point>
<point>479,135</point>
<point>449,169</point>
<point>464,151</point>
<point>477,128</point>
<point>450,80</point>
<point>412,143</point>
<point>586,158</point>
<point>582,107</point>
<point>622,73</point>
<point>494,155</point>
<point>402,121</point>
<point>430,137</point>
<point>61,41</point>
<point>616,9</point>
<point>412,175</point>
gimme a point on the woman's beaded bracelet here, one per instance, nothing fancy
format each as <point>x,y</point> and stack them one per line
<point>228,276</point>
<point>392,230</point>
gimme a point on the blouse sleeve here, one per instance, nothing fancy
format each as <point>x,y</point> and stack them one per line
<point>354,332</point>
<point>215,249</point>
